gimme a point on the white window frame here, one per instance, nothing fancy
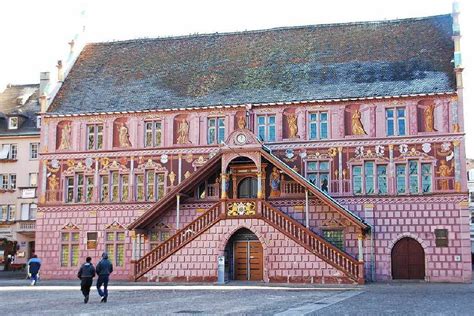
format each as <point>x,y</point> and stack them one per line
<point>396,121</point>
<point>32,150</point>
<point>267,127</point>
<point>318,124</point>
<point>13,122</point>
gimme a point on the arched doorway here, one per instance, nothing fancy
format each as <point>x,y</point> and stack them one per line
<point>244,257</point>
<point>247,188</point>
<point>408,260</point>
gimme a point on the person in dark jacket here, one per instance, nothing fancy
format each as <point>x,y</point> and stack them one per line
<point>104,269</point>
<point>34,265</point>
<point>86,274</point>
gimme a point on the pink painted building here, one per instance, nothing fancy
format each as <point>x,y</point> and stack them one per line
<point>317,154</point>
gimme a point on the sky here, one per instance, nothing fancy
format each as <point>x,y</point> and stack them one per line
<point>34,34</point>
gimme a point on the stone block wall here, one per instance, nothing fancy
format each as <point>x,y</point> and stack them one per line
<point>284,260</point>
<point>417,218</point>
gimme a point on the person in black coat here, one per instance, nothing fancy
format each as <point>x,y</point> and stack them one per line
<point>86,274</point>
<point>104,269</point>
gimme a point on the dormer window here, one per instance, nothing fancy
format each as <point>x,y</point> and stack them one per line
<point>38,121</point>
<point>13,123</point>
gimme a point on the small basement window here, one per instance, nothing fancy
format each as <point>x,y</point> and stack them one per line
<point>441,236</point>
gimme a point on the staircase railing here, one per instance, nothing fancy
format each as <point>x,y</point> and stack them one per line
<point>314,243</point>
<point>177,241</point>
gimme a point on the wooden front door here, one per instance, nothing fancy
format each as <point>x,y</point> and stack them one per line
<point>408,260</point>
<point>248,261</point>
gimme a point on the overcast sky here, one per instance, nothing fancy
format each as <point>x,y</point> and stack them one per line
<point>34,34</point>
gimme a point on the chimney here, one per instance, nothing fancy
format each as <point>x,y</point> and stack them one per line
<point>44,83</point>
<point>60,71</point>
<point>43,100</point>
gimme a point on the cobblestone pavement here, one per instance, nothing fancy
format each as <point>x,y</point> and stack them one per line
<point>64,298</point>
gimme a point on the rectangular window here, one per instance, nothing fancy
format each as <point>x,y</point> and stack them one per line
<point>150,185</point>
<point>115,247</point>
<point>115,187</point>
<point>7,213</point>
<point>95,136</point>
<point>89,189</point>
<point>401,179</point>
<point>266,127</point>
<point>33,179</point>
<point>369,177</point>
<point>152,133</point>
<point>9,152</point>
<point>413,176</point>
<point>318,173</point>
<point>12,181</point>
<point>395,121</point>
<point>335,237</point>
<point>13,123</point>
<point>8,181</point>
<point>69,189</point>
<point>160,185</point>
<point>426,177</point>
<point>215,130</point>
<point>91,240</point>
<point>33,209</point>
<point>441,236</point>
<point>318,125</point>
<point>69,249</point>
<point>34,150</point>
<point>140,185</point>
<point>104,188</point>
<point>124,187</point>
<point>382,179</point>
<point>4,181</point>
<point>357,179</point>
<point>79,188</point>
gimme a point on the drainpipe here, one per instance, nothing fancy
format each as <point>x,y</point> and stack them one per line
<point>306,208</point>
<point>177,211</point>
<point>360,237</point>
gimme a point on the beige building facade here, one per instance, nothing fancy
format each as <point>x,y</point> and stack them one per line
<point>19,147</point>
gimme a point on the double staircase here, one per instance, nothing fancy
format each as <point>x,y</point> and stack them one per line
<point>314,243</point>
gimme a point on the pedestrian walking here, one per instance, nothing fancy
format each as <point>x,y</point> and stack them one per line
<point>34,265</point>
<point>104,269</point>
<point>86,274</point>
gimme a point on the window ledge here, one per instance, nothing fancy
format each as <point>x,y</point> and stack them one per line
<point>8,160</point>
<point>7,190</point>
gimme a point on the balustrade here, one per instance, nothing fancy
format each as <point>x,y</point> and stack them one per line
<point>177,241</point>
<point>311,241</point>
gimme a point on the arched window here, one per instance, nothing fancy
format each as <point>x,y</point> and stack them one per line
<point>248,188</point>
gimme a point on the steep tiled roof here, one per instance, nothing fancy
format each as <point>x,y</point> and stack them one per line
<point>19,100</point>
<point>366,59</point>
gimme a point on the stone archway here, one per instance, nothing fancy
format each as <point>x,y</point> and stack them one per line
<point>408,260</point>
<point>244,256</point>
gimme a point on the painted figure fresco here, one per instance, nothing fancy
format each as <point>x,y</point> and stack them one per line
<point>275,181</point>
<point>65,137</point>
<point>124,140</point>
<point>444,171</point>
<point>357,127</point>
<point>429,118</point>
<point>292,125</point>
<point>183,131</point>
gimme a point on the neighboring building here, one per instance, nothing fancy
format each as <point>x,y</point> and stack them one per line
<point>19,162</point>
<point>151,151</point>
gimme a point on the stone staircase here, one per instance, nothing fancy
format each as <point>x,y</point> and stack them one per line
<point>314,243</point>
